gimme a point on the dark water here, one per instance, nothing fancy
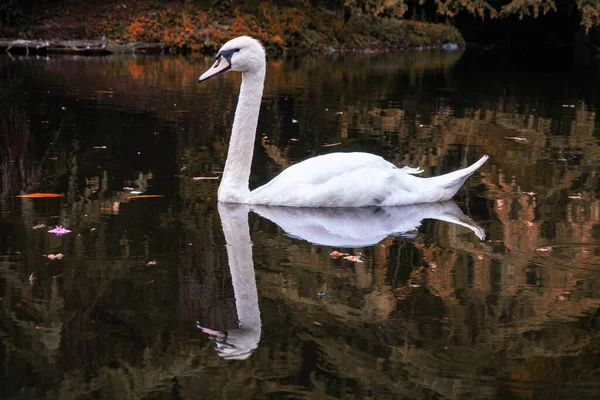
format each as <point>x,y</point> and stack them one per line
<point>145,301</point>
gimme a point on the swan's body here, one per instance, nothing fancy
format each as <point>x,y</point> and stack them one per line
<point>356,180</point>
<point>333,180</point>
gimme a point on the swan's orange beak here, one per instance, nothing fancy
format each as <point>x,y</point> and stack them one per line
<point>221,65</point>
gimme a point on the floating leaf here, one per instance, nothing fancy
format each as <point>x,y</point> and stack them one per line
<point>317,323</point>
<point>144,196</point>
<point>39,195</point>
<point>153,262</point>
<point>336,254</point>
<point>201,178</point>
<point>353,258</point>
<point>59,230</point>
<point>331,144</point>
<point>38,226</point>
<point>547,249</point>
<point>58,256</point>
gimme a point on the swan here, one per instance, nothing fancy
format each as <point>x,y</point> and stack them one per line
<point>333,180</point>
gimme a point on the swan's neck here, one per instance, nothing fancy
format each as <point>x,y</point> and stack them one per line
<point>234,219</point>
<point>234,186</point>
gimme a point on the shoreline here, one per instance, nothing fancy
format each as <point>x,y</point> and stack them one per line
<point>113,47</point>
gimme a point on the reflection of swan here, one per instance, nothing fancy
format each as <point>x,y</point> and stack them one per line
<point>332,180</point>
<point>238,344</point>
<point>340,227</point>
<point>359,227</point>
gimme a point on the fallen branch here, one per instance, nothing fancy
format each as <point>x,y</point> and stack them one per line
<point>82,47</point>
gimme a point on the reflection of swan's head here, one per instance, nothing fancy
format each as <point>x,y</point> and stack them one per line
<point>243,54</point>
<point>237,344</point>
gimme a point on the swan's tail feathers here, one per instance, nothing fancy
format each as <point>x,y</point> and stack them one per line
<point>411,170</point>
<point>450,183</point>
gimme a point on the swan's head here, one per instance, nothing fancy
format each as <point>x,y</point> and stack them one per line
<point>240,54</point>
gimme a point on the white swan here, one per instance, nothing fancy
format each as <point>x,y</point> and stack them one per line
<point>332,180</point>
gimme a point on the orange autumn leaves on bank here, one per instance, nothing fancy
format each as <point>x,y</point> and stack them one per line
<point>298,26</point>
<point>197,30</point>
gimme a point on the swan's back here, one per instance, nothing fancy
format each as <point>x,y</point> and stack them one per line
<point>320,169</point>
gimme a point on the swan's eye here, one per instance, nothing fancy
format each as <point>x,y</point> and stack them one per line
<point>236,50</point>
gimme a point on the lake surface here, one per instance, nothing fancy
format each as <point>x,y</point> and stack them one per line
<point>177,297</point>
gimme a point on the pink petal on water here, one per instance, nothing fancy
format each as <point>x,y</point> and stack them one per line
<point>59,230</point>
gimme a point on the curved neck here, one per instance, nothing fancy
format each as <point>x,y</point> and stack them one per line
<point>234,218</point>
<point>236,174</point>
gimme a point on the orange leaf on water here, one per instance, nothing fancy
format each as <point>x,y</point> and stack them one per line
<point>58,256</point>
<point>317,323</point>
<point>336,254</point>
<point>39,195</point>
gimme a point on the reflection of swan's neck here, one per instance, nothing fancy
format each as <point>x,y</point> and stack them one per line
<point>239,252</point>
<point>234,186</point>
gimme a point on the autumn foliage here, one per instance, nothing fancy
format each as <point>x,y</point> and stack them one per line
<point>281,27</point>
<point>198,30</point>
